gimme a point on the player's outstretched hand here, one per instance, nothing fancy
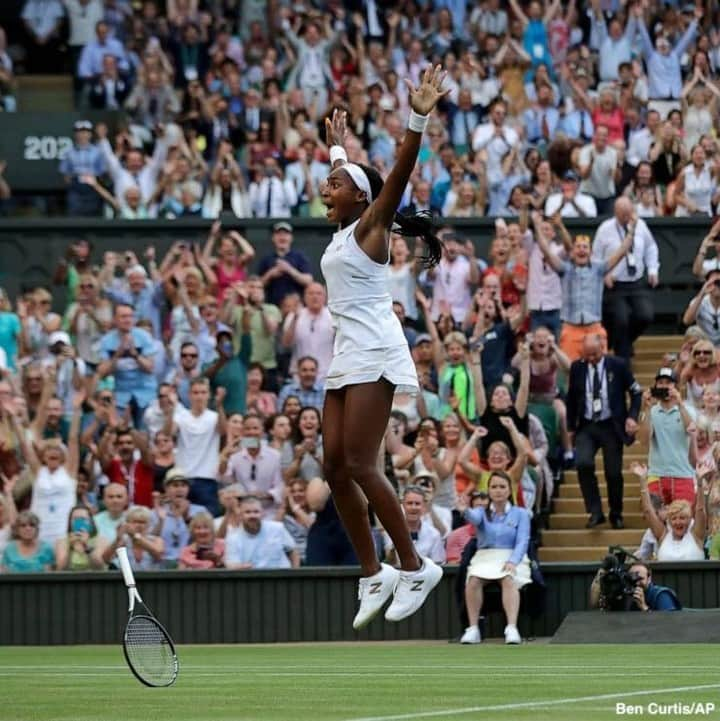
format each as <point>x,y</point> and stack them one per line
<point>336,128</point>
<point>429,93</point>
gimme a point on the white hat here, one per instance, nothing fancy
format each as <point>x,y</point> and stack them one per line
<point>59,336</point>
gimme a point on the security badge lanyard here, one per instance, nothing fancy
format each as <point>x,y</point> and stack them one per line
<point>596,401</point>
<point>630,255</point>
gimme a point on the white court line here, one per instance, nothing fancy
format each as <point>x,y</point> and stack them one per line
<point>535,704</point>
<point>116,670</point>
<point>369,667</point>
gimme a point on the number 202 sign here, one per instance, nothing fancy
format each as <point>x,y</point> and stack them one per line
<point>46,147</point>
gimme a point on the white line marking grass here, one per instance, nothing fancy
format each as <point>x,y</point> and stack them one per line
<point>537,704</point>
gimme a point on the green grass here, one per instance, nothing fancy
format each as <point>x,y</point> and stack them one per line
<point>343,682</point>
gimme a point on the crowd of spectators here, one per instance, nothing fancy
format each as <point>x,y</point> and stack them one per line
<point>174,405</point>
<point>552,106</point>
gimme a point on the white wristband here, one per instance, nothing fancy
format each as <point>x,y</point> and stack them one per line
<point>417,122</point>
<point>337,152</point>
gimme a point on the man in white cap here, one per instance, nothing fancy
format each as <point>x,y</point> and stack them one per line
<point>82,162</point>
<point>69,369</point>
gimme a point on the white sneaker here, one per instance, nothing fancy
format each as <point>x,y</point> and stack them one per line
<point>412,589</point>
<point>373,591</point>
<point>471,635</point>
<point>512,635</point>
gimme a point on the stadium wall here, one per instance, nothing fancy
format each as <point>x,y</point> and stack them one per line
<point>30,248</point>
<point>308,604</point>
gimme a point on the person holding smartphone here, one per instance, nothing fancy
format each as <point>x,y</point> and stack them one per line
<point>668,426</point>
<point>255,467</point>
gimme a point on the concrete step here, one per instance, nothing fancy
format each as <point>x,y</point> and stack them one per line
<point>577,505</point>
<point>571,489</point>
<point>588,554</point>
<point>646,342</point>
<point>577,521</point>
<point>604,535</point>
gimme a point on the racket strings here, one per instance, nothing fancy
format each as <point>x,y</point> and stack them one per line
<point>149,651</point>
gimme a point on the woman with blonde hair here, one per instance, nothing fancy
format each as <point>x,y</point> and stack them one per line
<point>499,458</point>
<point>26,552</point>
<point>54,470</point>
<point>703,370</point>
<point>696,187</point>
<point>682,536</point>
<point>234,255</point>
<point>38,322</point>
<point>145,551</point>
<point>470,202</point>
<point>185,288</point>
<point>204,551</point>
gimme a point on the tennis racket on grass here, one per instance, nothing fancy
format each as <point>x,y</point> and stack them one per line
<point>149,650</point>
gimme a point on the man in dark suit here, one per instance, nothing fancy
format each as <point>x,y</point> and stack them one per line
<point>599,418</point>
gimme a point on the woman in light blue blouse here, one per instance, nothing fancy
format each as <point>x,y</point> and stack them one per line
<point>503,533</point>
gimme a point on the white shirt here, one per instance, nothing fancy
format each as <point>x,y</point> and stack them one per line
<point>53,496</point>
<point>145,180</point>
<point>582,202</point>
<point>686,549</point>
<point>639,142</point>
<point>198,443</point>
<point>402,285</point>
<point>282,198</point>
<point>82,20</point>
<point>608,239</point>
<point>699,189</point>
<point>601,181</point>
<point>452,285</point>
<point>266,549</point>
<point>496,147</point>
<point>428,543</point>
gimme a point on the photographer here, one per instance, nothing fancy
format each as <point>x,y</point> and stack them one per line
<point>646,596</point>
<point>665,424</point>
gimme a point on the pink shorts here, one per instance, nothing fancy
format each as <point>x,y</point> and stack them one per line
<point>670,488</point>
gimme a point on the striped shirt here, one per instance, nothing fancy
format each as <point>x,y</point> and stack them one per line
<point>582,292</point>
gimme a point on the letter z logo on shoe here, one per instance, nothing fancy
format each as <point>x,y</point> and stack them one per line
<point>417,586</point>
<point>375,587</point>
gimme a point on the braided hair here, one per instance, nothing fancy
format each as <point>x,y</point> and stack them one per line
<point>411,225</point>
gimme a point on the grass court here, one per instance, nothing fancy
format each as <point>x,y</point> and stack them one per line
<point>362,682</point>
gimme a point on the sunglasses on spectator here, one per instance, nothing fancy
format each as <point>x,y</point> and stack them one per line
<point>702,352</point>
<point>27,524</point>
<point>188,355</point>
<point>105,399</point>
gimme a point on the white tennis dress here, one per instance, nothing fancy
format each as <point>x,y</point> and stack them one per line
<point>369,340</point>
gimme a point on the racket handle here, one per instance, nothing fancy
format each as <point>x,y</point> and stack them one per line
<point>125,567</point>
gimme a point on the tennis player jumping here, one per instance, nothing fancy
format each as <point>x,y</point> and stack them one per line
<point>371,356</point>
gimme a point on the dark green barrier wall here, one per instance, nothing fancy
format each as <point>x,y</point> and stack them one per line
<point>267,607</point>
<point>29,249</point>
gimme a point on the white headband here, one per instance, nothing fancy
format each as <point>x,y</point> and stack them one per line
<point>358,176</point>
